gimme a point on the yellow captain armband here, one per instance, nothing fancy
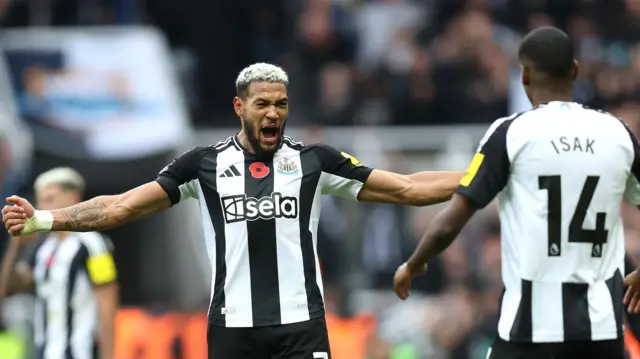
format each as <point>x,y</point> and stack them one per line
<point>102,269</point>
<point>353,160</point>
<point>474,166</point>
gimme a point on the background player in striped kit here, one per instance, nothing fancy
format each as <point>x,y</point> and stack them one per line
<point>259,194</point>
<point>560,172</point>
<point>74,278</point>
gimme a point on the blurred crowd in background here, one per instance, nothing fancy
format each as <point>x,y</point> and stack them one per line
<point>375,64</point>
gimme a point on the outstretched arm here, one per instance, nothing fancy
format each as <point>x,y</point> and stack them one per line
<point>106,212</point>
<point>174,183</point>
<point>418,189</point>
<point>99,213</point>
<point>443,230</point>
<point>345,176</point>
<point>486,176</point>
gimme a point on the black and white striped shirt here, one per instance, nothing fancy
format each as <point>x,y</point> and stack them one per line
<point>260,219</point>
<point>560,173</point>
<point>66,313</point>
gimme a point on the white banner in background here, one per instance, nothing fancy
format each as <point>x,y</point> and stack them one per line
<point>12,129</point>
<point>109,92</point>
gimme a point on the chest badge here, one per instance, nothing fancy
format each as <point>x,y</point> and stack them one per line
<point>286,166</point>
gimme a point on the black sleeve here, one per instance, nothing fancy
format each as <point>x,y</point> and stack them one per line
<point>182,170</point>
<point>341,164</point>
<point>632,190</point>
<point>635,166</point>
<point>488,172</point>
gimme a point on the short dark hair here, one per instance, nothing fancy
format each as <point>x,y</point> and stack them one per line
<point>549,50</point>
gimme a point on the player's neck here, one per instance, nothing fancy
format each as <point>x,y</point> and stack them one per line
<point>544,96</point>
<point>243,140</point>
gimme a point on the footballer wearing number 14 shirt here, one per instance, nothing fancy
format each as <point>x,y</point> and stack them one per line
<point>259,194</point>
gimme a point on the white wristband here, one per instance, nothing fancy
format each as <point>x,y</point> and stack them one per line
<point>42,221</point>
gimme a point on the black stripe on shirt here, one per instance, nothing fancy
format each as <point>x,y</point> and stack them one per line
<point>522,329</point>
<point>615,285</point>
<point>261,242</point>
<point>635,165</point>
<point>78,262</point>
<point>208,185</point>
<point>45,303</point>
<point>575,311</point>
<point>310,178</point>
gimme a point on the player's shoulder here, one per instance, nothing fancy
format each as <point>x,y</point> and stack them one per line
<point>302,147</point>
<point>609,123</point>
<point>95,242</point>
<point>603,115</point>
<point>317,148</point>
<point>293,143</point>
<point>524,116</point>
<point>517,117</point>
<point>522,122</point>
<point>320,150</point>
<point>326,154</point>
<point>194,155</point>
<point>597,111</point>
<point>500,126</point>
<point>228,143</point>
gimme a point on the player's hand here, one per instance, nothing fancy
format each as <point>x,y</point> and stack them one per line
<point>402,279</point>
<point>15,216</point>
<point>632,296</point>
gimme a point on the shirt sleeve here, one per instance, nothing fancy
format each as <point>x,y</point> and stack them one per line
<point>342,174</point>
<point>178,178</point>
<point>98,261</point>
<point>489,169</point>
<point>632,190</point>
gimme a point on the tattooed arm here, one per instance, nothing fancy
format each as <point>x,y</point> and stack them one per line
<point>107,212</point>
<point>176,182</point>
<point>100,213</point>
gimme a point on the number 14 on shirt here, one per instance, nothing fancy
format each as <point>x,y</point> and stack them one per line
<point>596,237</point>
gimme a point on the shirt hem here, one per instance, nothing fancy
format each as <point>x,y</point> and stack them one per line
<point>245,324</point>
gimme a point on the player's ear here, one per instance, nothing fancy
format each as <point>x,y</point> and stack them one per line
<point>238,106</point>
<point>575,69</point>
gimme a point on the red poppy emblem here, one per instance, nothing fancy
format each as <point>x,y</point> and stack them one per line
<point>259,170</point>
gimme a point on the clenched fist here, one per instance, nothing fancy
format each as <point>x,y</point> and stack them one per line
<point>16,215</point>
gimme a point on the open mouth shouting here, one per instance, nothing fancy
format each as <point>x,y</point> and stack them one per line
<point>270,134</point>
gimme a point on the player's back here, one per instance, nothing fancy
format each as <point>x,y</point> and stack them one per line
<point>562,233</point>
